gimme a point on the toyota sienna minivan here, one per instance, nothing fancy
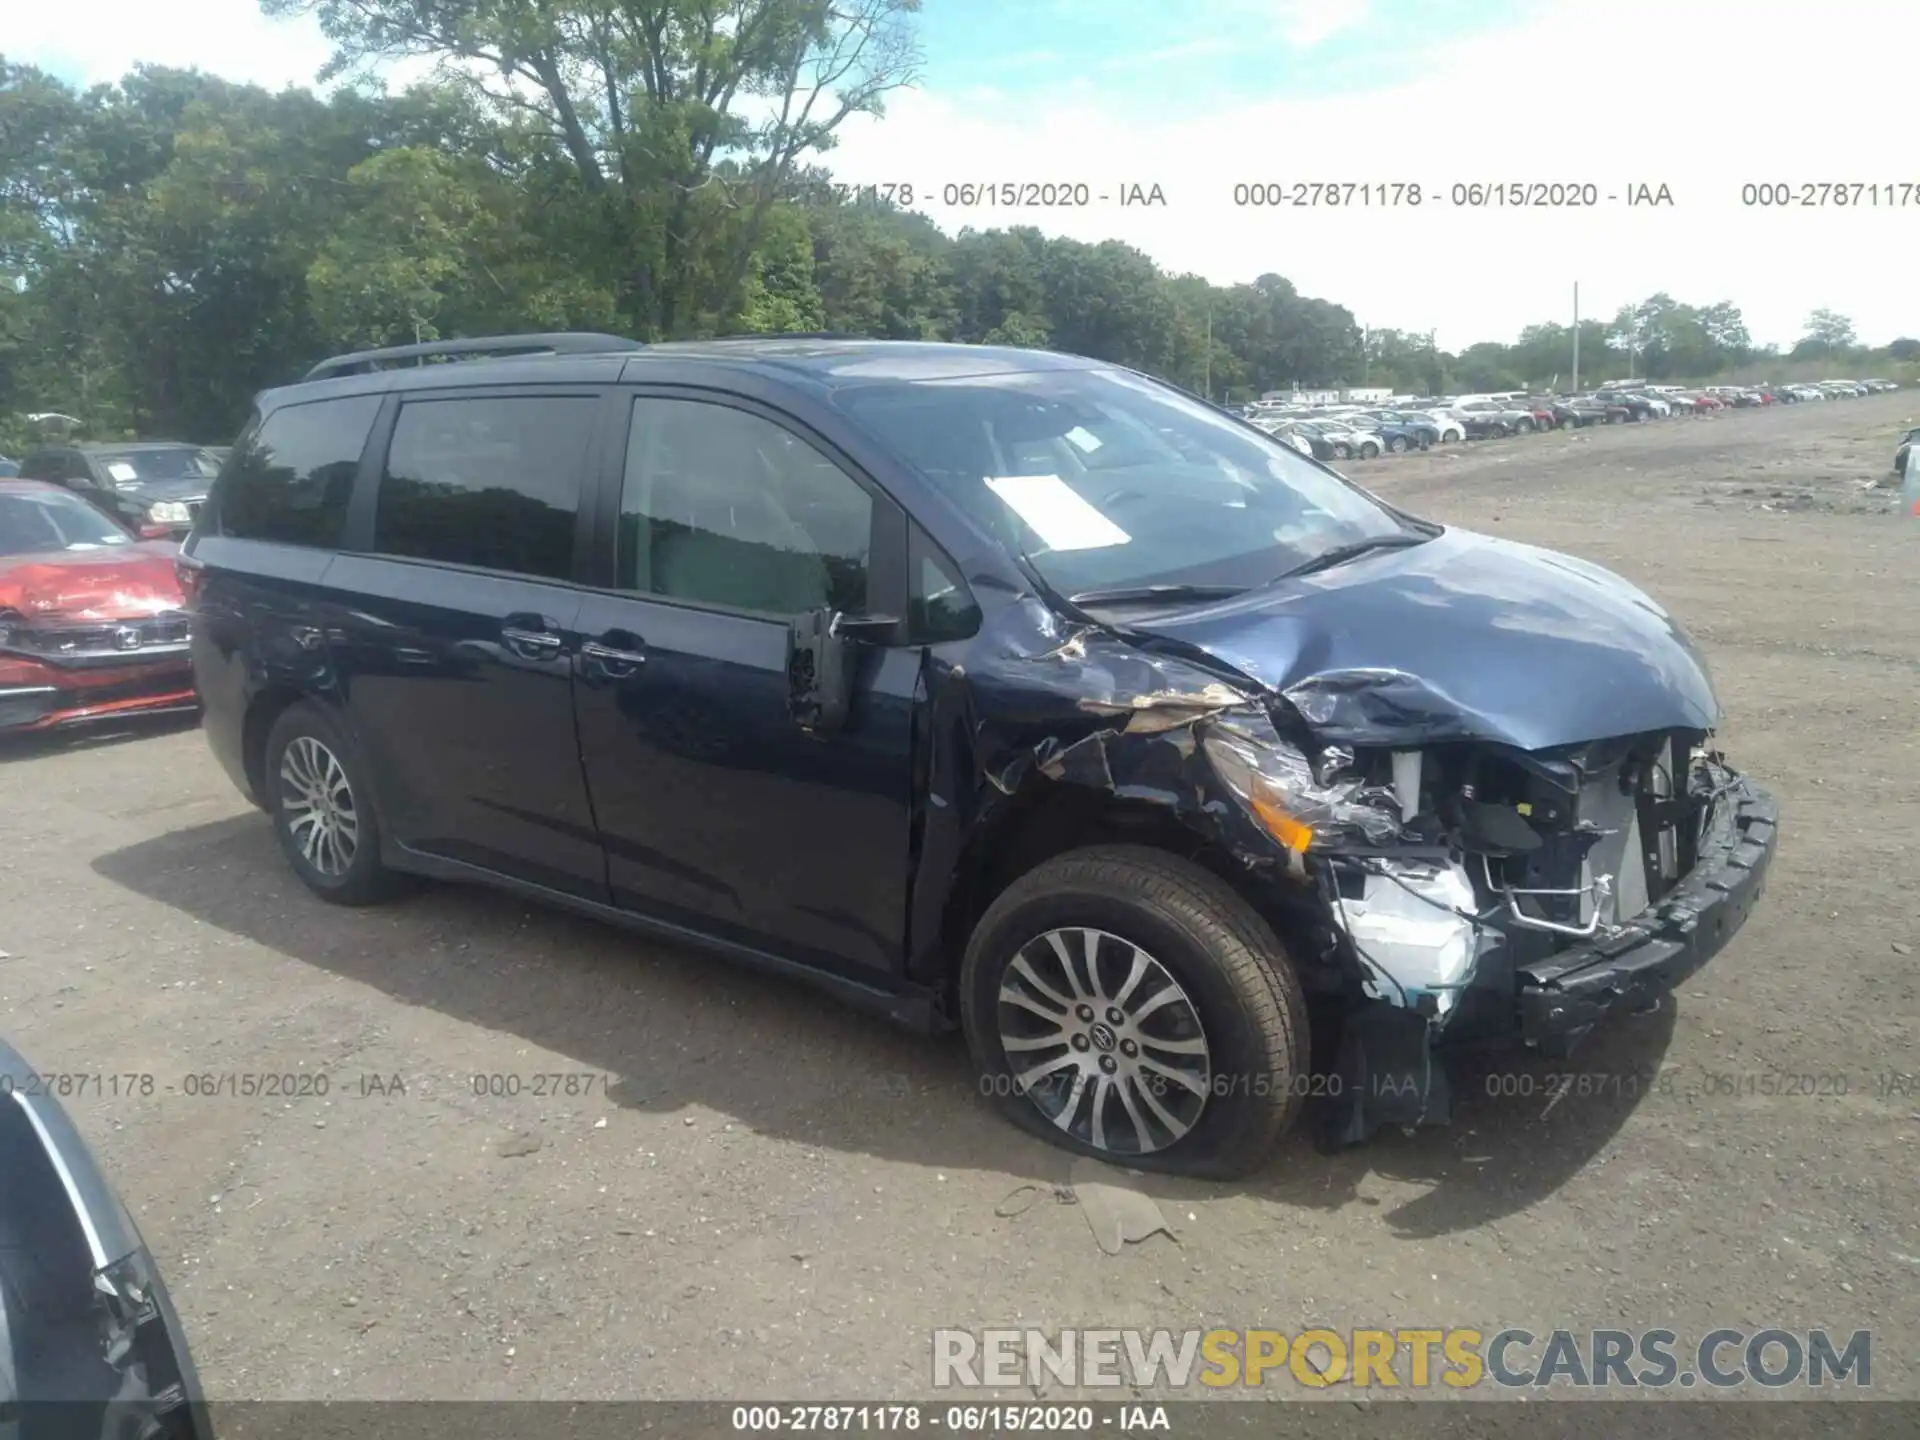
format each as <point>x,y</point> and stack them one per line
<point>995,689</point>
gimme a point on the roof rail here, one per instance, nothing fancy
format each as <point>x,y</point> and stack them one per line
<point>563,342</point>
<point>792,335</point>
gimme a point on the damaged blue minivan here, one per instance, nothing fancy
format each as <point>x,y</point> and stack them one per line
<point>997,689</point>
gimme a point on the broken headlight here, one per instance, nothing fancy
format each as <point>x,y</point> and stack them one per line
<point>1299,800</point>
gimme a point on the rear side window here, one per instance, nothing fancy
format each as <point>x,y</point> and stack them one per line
<point>289,480</point>
<point>488,482</point>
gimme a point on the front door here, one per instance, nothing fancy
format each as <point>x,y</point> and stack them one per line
<point>718,811</point>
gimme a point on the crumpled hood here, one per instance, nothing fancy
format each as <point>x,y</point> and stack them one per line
<point>124,583</point>
<point>1463,637</point>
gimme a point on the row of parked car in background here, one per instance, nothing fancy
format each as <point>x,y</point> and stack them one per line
<point>1414,422</point>
<point>155,486</point>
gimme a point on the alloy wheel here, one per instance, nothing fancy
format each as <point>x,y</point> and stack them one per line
<point>1103,1041</point>
<point>318,805</point>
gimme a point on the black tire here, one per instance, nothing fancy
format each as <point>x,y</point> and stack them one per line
<point>1341,452</point>
<point>1369,450</point>
<point>1398,444</point>
<point>363,880</point>
<point>1233,969</point>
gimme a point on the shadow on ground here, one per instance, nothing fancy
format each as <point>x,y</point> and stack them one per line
<point>680,1028</point>
<point>96,735</point>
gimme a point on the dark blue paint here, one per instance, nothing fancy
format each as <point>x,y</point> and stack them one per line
<point>1464,637</point>
<point>677,791</point>
<point>470,739</point>
<point>718,811</point>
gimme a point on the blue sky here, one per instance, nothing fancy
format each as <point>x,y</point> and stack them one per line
<point>1198,96</point>
<point>1173,56</point>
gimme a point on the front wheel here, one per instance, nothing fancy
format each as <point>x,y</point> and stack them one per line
<point>322,812</point>
<point>1342,452</point>
<point>1368,450</point>
<point>1127,1004</point>
<point>1398,444</point>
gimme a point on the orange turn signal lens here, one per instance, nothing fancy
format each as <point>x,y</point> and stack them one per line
<point>1290,832</point>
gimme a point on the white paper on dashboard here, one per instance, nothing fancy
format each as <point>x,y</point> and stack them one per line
<point>1083,439</point>
<point>1058,515</point>
<point>123,472</point>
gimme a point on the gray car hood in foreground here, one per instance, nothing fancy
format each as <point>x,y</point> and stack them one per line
<point>1465,637</point>
<point>90,1342</point>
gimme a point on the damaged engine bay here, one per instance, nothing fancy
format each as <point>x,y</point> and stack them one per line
<point>1436,886</point>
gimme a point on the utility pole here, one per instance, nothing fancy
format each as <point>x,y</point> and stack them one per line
<point>1207,384</point>
<point>1576,337</point>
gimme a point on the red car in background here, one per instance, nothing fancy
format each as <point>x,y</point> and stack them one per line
<point>92,621</point>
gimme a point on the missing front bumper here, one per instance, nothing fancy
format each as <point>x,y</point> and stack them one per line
<point>1561,997</point>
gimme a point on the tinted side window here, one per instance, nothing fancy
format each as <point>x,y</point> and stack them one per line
<point>488,482</point>
<point>941,607</point>
<point>722,507</point>
<point>289,478</point>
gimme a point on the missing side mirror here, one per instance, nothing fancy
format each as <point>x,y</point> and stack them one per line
<point>821,658</point>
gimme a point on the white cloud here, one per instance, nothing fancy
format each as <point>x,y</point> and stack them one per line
<point>1701,97</point>
<point>100,40</point>
<point>1306,23</point>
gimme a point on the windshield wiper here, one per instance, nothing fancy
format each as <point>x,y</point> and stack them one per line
<point>1352,550</point>
<point>1173,593</point>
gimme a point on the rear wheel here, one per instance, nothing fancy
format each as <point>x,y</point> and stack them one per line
<point>322,812</point>
<point>1524,426</point>
<point>1368,450</point>
<point>1127,1004</point>
<point>1398,444</point>
<point>1342,452</point>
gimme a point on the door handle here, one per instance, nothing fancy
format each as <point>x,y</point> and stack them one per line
<point>616,662</point>
<point>606,654</point>
<point>529,641</point>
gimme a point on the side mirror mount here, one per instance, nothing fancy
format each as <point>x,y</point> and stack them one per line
<point>821,658</point>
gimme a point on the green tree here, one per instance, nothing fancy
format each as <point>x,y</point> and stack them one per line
<point>680,123</point>
<point>780,293</point>
<point>1829,332</point>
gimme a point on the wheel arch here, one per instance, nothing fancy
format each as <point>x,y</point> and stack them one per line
<point>264,710</point>
<point>1050,818</point>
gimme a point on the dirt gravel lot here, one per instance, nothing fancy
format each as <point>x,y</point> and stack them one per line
<point>750,1189</point>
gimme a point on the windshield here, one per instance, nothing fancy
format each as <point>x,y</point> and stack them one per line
<point>1103,479</point>
<point>38,524</point>
<point>133,466</point>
